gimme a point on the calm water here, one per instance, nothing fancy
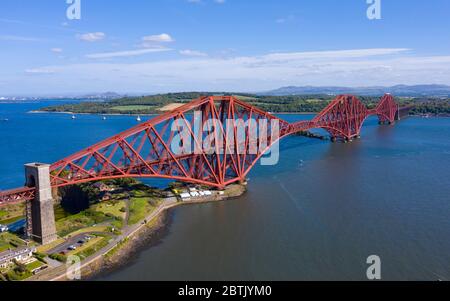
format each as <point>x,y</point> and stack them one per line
<point>317,215</point>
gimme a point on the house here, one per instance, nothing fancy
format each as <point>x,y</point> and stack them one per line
<point>185,196</point>
<point>20,255</point>
<point>3,228</point>
<point>107,197</point>
<point>103,187</point>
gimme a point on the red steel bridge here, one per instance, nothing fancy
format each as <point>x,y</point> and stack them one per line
<point>144,151</point>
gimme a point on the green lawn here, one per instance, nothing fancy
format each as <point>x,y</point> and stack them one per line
<point>138,209</point>
<point>16,275</point>
<point>34,265</point>
<point>94,248</point>
<point>115,208</point>
<point>9,240</point>
<point>79,221</point>
<point>132,108</point>
<point>245,98</point>
<point>11,213</point>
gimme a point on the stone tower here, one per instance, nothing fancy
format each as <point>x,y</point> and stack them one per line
<point>43,228</point>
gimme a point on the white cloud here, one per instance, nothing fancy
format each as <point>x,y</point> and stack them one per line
<point>290,18</point>
<point>220,1</point>
<point>126,53</point>
<point>92,36</point>
<point>160,38</point>
<point>56,50</point>
<point>18,38</point>
<point>356,67</point>
<point>40,71</point>
<point>189,52</point>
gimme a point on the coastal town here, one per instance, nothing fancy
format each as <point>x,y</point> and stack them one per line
<point>99,223</point>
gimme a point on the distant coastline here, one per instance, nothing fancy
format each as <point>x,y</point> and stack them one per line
<point>445,115</point>
<point>148,114</point>
<point>286,104</point>
<point>98,114</point>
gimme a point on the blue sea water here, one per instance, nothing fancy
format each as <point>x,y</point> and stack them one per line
<point>316,215</point>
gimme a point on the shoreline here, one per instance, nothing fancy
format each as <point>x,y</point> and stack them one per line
<point>97,114</point>
<point>273,113</point>
<point>146,114</point>
<point>122,250</point>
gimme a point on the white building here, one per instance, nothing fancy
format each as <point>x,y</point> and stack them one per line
<point>20,255</point>
<point>185,196</point>
<point>3,228</point>
<point>195,194</point>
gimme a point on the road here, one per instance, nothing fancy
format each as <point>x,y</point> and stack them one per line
<point>74,241</point>
<point>59,273</point>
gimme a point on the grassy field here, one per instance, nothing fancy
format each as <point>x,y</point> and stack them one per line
<point>91,248</point>
<point>44,249</point>
<point>132,108</point>
<point>11,213</point>
<point>60,213</point>
<point>89,230</point>
<point>79,221</point>
<point>8,240</point>
<point>170,107</point>
<point>139,207</point>
<point>114,208</point>
<point>245,98</point>
<point>17,275</point>
<point>34,265</point>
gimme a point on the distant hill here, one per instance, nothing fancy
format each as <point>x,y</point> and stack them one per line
<point>106,95</point>
<point>399,90</point>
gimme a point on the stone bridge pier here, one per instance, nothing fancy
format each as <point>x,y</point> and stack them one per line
<point>41,225</point>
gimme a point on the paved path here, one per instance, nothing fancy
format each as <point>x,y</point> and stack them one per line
<point>74,241</point>
<point>59,273</point>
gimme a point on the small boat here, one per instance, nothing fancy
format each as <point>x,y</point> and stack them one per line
<point>74,117</point>
<point>138,119</point>
<point>5,120</point>
<point>104,118</point>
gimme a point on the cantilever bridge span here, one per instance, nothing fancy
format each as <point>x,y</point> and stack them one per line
<point>144,151</point>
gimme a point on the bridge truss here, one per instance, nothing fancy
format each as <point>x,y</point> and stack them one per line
<point>171,146</point>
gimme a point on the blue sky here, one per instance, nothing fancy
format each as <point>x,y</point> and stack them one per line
<point>219,45</point>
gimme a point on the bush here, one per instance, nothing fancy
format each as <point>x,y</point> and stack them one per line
<point>40,257</point>
<point>58,257</point>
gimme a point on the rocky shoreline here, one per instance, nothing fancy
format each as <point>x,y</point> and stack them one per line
<point>146,236</point>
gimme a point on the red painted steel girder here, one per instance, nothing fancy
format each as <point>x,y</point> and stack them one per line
<point>343,117</point>
<point>387,109</point>
<point>146,150</point>
<point>17,195</point>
